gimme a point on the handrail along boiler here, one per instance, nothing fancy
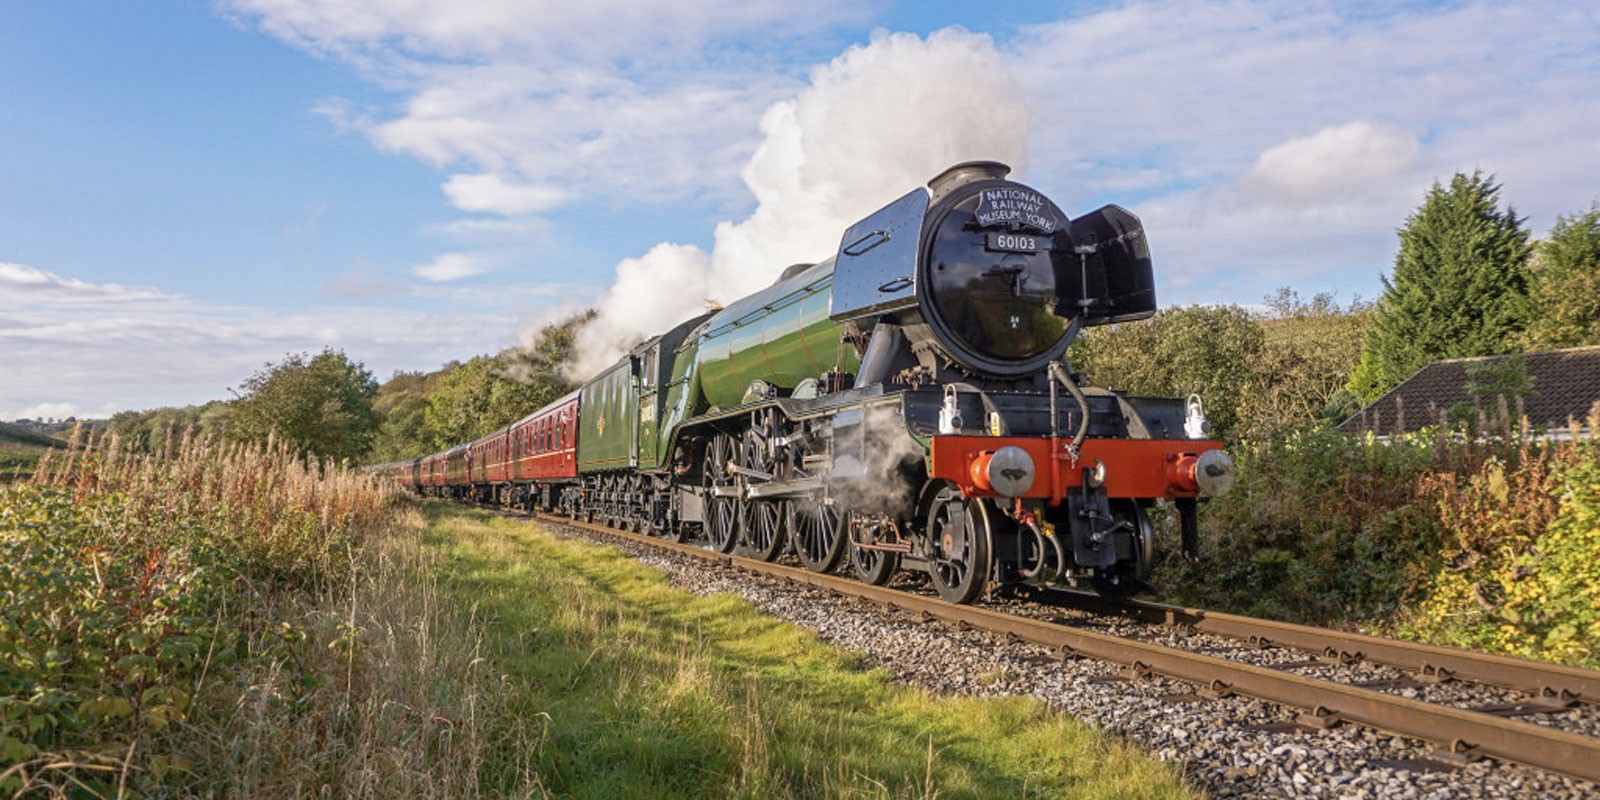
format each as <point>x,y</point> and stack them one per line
<point>907,403</point>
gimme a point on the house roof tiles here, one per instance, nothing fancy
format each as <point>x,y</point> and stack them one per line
<point>1565,385</point>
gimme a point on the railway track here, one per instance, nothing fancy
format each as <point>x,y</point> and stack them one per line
<point>1459,733</point>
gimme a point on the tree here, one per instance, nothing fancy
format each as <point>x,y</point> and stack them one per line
<point>1460,286</point>
<point>1306,357</point>
<point>402,404</point>
<point>1204,350</point>
<point>159,429</point>
<point>1566,285</point>
<point>319,405</point>
<point>469,400</point>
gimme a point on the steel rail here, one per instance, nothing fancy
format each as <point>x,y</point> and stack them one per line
<point>1462,732</point>
<point>1429,662</point>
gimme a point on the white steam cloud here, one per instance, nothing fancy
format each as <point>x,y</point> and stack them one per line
<point>875,122</point>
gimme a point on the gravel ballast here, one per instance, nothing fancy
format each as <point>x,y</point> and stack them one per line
<point>1232,747</point>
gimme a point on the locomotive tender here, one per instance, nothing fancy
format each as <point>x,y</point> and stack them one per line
<point>906,404</point>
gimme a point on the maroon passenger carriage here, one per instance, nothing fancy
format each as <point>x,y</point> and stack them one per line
<point>524,464</point>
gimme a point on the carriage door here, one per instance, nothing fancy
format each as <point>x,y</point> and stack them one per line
<point>648,383</point>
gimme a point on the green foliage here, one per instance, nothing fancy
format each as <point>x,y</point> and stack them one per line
<point>136,588</point>
<point>13,433</point>
<point>1256,375</point>
<point>1459,288</point>
<point>466,401</point>
<point>1320,527</point>
<point>1208,350</point>
<point>402,403</point>
<point>1519,574</point>
<point>155,430</point>
<point>1453,537</point>
<point>17,461</point>
<point>101,637</point>
<point>1566,285</point>
<point>21,446</point>
<point>319,404</point>
<point>1300,372</point>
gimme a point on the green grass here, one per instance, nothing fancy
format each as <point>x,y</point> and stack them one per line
<point>18,461</point>
<point>617,684</point>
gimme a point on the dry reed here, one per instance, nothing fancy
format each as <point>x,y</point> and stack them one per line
<point>243,622</point>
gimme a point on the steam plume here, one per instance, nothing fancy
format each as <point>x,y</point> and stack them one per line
<point>877,121</point>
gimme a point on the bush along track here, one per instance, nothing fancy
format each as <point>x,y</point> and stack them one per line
<point>225,620</point>
<point>1483,540</point>
<point>646,690</point>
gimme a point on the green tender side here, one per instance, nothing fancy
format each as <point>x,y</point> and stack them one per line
<point>781,335</point>
<point>608,419</point>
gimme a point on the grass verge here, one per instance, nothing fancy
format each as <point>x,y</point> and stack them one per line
<point>616,684</point>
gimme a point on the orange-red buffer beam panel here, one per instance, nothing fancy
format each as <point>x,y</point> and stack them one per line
<point>1138,468</point>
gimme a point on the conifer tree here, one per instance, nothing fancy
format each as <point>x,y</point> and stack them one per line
<point>1566,284</point>
<point>1459,288</point>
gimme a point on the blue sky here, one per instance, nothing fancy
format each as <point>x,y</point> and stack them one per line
<point>191,189</point>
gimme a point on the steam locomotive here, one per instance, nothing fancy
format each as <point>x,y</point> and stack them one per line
<point>905,404</point>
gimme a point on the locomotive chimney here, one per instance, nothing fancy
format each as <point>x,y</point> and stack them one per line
<point>964,173</point>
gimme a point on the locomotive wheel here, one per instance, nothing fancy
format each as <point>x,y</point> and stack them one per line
<point>722,513</point>
<point>872,566</point>
<point>958,535</point>
<point>722,523</point>
<point>764,533</point>
<point>818,536</point>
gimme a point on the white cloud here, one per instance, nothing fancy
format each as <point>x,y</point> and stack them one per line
<point>1272,143</point>
<point>457,29</point>
<point>1263,142</point>
<point>450,267</point>
<point>545,102</point>
<point>1333,162</point>
<point>71,347</point>
<point>28,284</point>
<point>58,411</point>
<point>492,193</point>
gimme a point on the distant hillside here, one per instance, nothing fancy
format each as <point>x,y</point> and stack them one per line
<point>20,449</point>
<point>16,434</point>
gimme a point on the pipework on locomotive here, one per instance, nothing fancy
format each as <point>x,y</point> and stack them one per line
<point>905,404</point>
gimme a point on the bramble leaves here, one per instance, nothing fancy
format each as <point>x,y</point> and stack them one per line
<point>129,579</point>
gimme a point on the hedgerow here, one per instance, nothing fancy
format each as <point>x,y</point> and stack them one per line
<point>1520,573</point>
<point>137,588</point>
<point>1486,539</point>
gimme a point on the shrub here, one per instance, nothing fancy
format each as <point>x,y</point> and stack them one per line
<point>136,585</point>
<point>1519,573</point>
<point>1328,528</point>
